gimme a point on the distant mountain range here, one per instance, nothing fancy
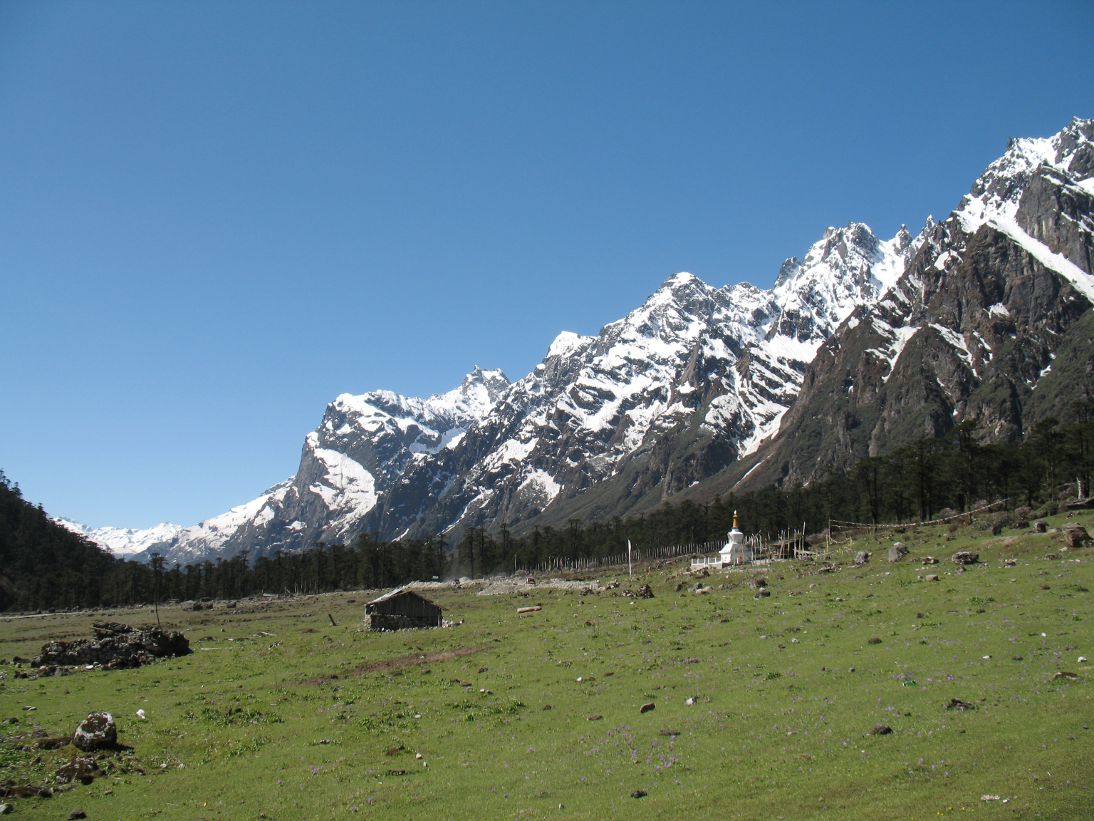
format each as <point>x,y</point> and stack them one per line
<point>862,345</point>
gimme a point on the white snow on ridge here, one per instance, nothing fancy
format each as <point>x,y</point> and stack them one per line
<point>566,343</point>
<point>542,482</point>
<point>956,341</point>
<point>785,347</point>
<point>1083,282</point>
<point>346,487</point>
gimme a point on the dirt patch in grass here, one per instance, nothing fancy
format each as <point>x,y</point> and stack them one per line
<point>399,662</point>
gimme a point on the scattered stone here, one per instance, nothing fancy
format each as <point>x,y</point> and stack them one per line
<point>1040,526</point>
<point>861,558</point>
<point>6,808</point>
<point>762,593</point>
<point>1066,675</point>
<point>989,798</point>
<point>1010,562</point>
<point>690,701</point>
<point>647,707</point>
<point>639,794</point>
<point>1076,536</point>
<point>758,582</point>
<point>114,646</point>
<point>898,551</point>
<point>958,704</point>
<point>534,609</point>
<point>930,560</point>
<point>52,742</point>
<point>964,557</point>
<point>644,592</point>
<point>931,577</point>
<point>84,770</point>
<point>874,640</point>
<point>1082,659</point>
<point>96,732</point>
<point>596,717</point>
<point>72,816</point>
<point>881,729</point>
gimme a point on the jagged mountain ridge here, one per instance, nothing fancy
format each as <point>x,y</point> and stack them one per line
<point>991,322</point>
<point>363,443</point>
<point>667,400</point>
<point>726,361</point>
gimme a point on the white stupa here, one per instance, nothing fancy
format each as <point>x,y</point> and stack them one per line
<point>736,551</point>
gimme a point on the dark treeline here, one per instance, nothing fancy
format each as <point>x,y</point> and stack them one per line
<point>43,566</point>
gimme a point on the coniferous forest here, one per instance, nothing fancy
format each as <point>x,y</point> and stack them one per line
<point>44,566</point>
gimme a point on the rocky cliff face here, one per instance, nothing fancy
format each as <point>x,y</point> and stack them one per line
<point>990,321</point>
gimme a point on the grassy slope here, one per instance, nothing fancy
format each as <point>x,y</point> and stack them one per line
<point>780,728</point>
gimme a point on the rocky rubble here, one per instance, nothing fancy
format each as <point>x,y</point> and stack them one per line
<point>114,646</point>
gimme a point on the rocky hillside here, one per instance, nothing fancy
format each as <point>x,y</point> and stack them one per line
<point>991,322</point>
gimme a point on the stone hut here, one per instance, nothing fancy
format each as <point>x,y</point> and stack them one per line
<point>401,609</point>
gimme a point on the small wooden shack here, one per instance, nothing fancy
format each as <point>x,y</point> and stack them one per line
<point>401,609</point>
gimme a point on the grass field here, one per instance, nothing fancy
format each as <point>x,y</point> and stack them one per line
<point>279,714</point>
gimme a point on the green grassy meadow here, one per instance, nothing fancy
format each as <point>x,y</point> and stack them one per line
<point>278,714</point>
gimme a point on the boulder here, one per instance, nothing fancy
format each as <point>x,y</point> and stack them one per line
<point>1040,526</point>
<point>963,557</point>
<point>861,558</point>
<point>898,551</point>
<point>96,732</point>
<point>1076,536</point>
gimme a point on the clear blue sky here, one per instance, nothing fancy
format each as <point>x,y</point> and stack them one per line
<point>217,216</point>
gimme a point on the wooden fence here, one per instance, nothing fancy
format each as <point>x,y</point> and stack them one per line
<point>638,554</point>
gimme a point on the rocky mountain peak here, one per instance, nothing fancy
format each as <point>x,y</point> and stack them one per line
<point>479,391</point>
<point>995,194</point>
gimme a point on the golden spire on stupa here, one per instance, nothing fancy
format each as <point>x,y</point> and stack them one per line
<point>735,520</point>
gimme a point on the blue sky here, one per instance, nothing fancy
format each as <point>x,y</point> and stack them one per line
<point>215,217</point>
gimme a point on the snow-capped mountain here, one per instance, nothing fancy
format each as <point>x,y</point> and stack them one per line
<point>363,444</point>
<point>991,321</point>
<point>126,541</point>
<point>719,364</point>
<point>862,345</point>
